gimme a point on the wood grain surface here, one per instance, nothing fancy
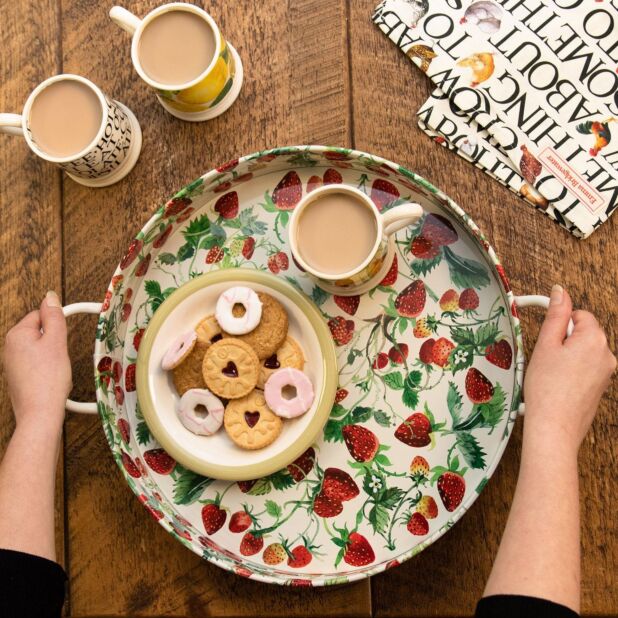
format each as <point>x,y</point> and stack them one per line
<point>316,71</point>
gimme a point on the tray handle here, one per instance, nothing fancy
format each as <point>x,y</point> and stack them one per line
<point>74,309</point>
<point>536,300</point>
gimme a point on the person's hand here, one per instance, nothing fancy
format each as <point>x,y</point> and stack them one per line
<point>37,367</point>
<point>566,377</point>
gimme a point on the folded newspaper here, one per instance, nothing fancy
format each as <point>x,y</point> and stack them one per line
<point>527,90</point>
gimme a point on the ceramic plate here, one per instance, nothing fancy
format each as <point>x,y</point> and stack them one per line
<point>430,368</point>
<point>217,455</point>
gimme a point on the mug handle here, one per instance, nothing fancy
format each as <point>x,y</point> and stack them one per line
<point>536,300</point>
<point>125,19</point>
<point>74,309</point>
<point>401,216</point>
<point>11,124</point>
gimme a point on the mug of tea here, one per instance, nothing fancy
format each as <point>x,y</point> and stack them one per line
<point>340,238</point>
<point>69,121</point>
<point>178,50</point>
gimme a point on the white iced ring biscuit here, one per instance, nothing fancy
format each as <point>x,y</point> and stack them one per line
<point>179,350</point>
<point>238,295</point>
<point>201,412</point>
<point>288,379</point>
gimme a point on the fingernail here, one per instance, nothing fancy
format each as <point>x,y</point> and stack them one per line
<point>557,292</point>
<point>52,299</point>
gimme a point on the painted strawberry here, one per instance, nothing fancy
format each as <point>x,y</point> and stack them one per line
<point>130,466</point>
<point>361,442</point>
<point>159,461</point>
<point>398,353</point>
<point>213,517</point>
<point>301,583</point>
<point>451,487</point>
<point>313,183</point>
<point>106,301</point>
<point>116,281</point>
<point>427,507</point>
<point>117,372</point>
<point>243,178</point>
<point>391,275</point>
<point>419,466</point>
<point>341,329</point>
<point>500,354</point>
<point>332,177</point>
<point>162,237</point>
<point>411,300</point>
<point>137,338</point>
<point>227,205</point>
<point>176,205</point>
<point>132,252</point>
<point>185,215</point>
<point>421,329</point>
<point>301,466</point>
<point>119,395</point>
<point>392,564</point>
<point>125,312</point>
<point>415,430</point>
<point>349,304</point>
<point>251,545</point>
<point>383,192</point>
<point>438,230</point>
<point>140,466</point>
<point>301,557</point>
<point>503,277</point>
<point>128,295</point>
<point>358,551</point>
<point>449,301</point>
<point>273,266</point>
<point>323,506</point>
<point>478,388</point>
<point>226,167</point>
<point>245,486</point>
<point>242,571</point>
<point>248,247</point>
<point>424,249</point>
<point>441,351</point>
<point>335,155</point>
<point>468,300</point>
<point>288,192</point>
<point>417,525</point>
<point>340,395</point>
<point>222,186</point>
<point>339,485</point>
<point>124,429</point>
<point>129,378</point>
<point>240,521</point>
<point>274,554</point>
<point>425,354</point>
<point>142,267</point>
<point>282,260</point>
<point>104,367</point>
<point>215,254</point>
<point>380,361</point>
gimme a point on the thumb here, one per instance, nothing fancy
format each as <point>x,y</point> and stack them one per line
<point>52,318</point>
<point>557,318</point>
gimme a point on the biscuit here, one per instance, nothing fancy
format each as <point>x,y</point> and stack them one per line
<point>230,368</point>
<point>272,330</point>
<point>188,374</point>
<point>250,423</point>
<point>208,330</point>
<point>289,354</point>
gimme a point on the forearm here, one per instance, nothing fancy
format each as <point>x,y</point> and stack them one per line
<point>27,482</point>
<point>540,550</point>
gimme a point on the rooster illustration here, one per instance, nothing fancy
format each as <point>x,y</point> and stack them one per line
<point>533,196</point>
<point>598,128</point>
<point>482,65</point>
<point>423,53</point>
<point>485,15</point>
<point>529,165</point>
<point>418,9</point>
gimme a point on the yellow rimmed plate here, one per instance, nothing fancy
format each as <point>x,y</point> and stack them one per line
<point>217,456</point>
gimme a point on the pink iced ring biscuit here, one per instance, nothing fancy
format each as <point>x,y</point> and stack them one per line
<point>200,412</point>
<point>179,350</point>
<point>301,400</point>
<point>238,295</point>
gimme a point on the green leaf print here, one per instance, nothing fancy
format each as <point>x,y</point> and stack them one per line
<point>470,449</point>
<point>394,380</point>
<point>272,508</point>
<point>186,252</point>
<point>422,266</point>
<point>486,334</point>
<point>318,295</point>
<point>461,357</point>
<point>360,414</point>
<point>465,273</point>
<point>152,288</point>
<point>493,410</point>
<point>337,410</point>
<point>391,497</point>
<point>189,486</point>
<point>410,397</point>
<point>222,94</point>
<point>332,430</point>
<point>413,379</point>
<point>382,418</point>
<point>463,336</point>
<point>167,258</point>
<point>378,518</point>
<point>143,433</point>
<point>281,480</point>
<point>454,403</point>
<point>196,230</point>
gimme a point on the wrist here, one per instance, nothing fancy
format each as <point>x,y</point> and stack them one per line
<point>47,427</point>
<point>544,443</point>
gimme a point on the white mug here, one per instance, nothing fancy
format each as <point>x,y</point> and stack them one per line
<point>110,156</point>
<point>208,95</point>
<point>368,273</point>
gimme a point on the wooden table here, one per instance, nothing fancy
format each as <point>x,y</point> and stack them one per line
<point>316,72</point>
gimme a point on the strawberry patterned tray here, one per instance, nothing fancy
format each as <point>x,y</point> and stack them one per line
<point>430,369</point>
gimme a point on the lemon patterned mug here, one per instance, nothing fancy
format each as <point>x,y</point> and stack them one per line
<point>206,96</point>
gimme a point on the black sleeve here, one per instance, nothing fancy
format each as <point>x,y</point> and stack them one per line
<point>30,586</point>
<point>514,606</point>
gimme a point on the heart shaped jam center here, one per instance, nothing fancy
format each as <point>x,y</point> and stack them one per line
<point>252,418</point>
<point>272,362</point>
<point>230,370</point>
<point>216,338</point>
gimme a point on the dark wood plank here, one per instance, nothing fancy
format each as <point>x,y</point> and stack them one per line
<point>448,577</point>
<point>30,194</point>
<point>295,91</point>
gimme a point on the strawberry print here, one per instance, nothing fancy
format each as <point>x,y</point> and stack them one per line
<point>133,251</point>
<point>441,351</point>
<point>142,267</point>
<point>421,329</point>
<point>228,167</point>
<point>469,300</point>
<point>419,466</point>
<point>124,429</point>
<point>361,442</point>
<point>301,466</point>
<point>500,354</point>
<point>417,524</point>
<point>126,312</point>
<point>313,183</point>
<point>358,551</point>
<point>478,388</point>
<point>341,330</point>
<point>273,264</point>
<point>104,367</point>
<point>282,260</point>
<point>332,177</point>
<point>415,430</point>
<point>300,557</point>
<point>324,506</point>
<point>424,249</point>
<point>227,205</point>
<point>215,254</point>
<point>161,239</point>
<point>213,517</point>
<point>288,192</point>
<point>176,205</point>
<point>129,378</point>
<point>391,276</point>
<point>427,507</point>
<point>449,302</point>
<point>425,354</point>
<point>274,554</point>
<point>137,338</point>
<point>240,521</point>
<point>130,466</point>
<point>251,545</point>
<point>349,304</point>
<point>119,395</point>
<point>438,230</point>
<point>451,487</point>
<point>339,485</point>
<point>380,361</point>
<point>340,395</point>
<point>411,301</point>
<point>383,193</point>
<point>159,461</point>
<point>398,353</point>
<point>248,247</point>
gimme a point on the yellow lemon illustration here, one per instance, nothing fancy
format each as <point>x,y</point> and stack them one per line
<point>209,87</point>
